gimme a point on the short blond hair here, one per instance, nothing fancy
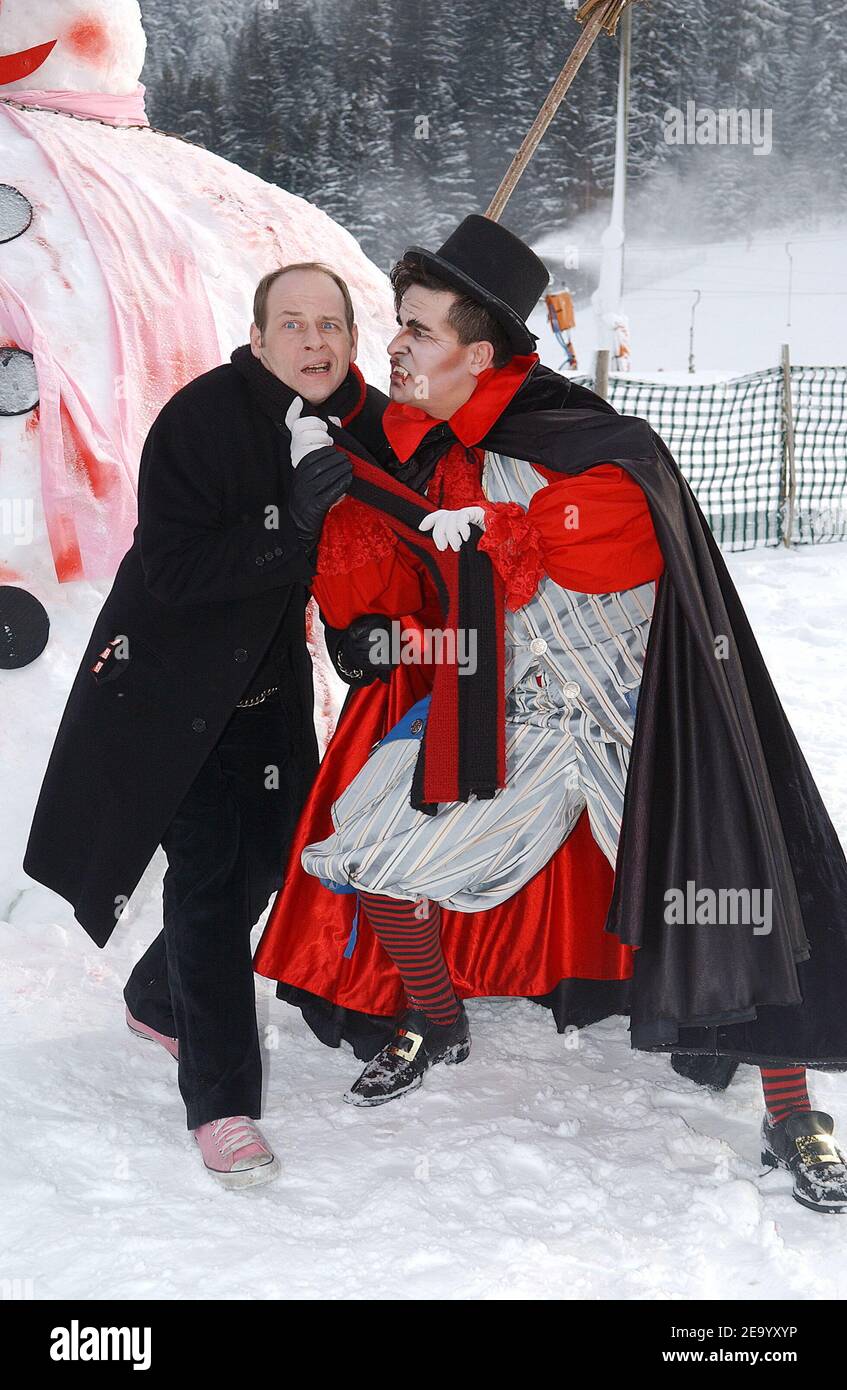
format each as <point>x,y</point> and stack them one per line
<point>260,298</point>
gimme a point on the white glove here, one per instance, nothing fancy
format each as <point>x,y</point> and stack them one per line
<point>307,432</point>
<point>451,528</point>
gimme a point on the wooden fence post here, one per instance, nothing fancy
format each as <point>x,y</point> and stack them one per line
<point>789,476</point>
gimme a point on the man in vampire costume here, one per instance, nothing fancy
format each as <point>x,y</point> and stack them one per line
<point>190,720</point>
<point>614,673</point>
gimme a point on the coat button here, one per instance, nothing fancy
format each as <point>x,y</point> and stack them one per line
<point>199,726</point>
<point>269,554</point>
<point>260,559</point>
<point>240,654</point>
<point>278,550</point>
<point>538,646</point>
<point>571,690</point>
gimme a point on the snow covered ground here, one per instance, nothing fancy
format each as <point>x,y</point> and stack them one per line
<point>535,1170</point>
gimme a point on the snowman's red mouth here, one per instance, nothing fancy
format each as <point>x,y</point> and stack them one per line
<point>14,66</point>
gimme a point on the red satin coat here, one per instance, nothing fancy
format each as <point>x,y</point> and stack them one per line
<point>553,929</point>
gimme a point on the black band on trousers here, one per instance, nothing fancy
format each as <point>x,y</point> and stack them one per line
<point>226,850</point>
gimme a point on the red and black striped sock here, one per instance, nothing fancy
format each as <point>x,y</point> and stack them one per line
<point>785,1091</point>
<point>411,934</point>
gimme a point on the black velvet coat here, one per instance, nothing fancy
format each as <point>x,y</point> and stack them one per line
<point>205,591</point>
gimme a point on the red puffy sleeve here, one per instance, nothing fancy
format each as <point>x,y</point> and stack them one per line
<point>596,531</point>
<point>361,569</point>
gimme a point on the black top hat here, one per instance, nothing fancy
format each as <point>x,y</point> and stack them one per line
<point>484,260</point>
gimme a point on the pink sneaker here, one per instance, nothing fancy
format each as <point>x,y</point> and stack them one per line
<point>142,1031</point>
<point>235,1152</point>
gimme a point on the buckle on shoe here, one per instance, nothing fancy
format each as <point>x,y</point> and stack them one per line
<point>823,1152</point>
<point>414,1040</point>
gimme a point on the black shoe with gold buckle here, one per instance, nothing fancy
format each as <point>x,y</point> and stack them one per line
<point>803,1144</point>
<point>417,1045</point>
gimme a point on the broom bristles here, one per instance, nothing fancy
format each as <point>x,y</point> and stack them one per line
<point>610,23</point>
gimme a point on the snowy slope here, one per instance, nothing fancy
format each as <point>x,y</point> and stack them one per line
<point>742,317</point>
<point>545,1166</point>
<point>537,1169</point>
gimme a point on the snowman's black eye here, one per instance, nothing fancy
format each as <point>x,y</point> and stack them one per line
<point>15,212</point>
<point>18,382</point>
<point>18,377</point>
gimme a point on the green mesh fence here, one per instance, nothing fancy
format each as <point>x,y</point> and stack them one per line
<point>819,395</point>
<point>729,441</point>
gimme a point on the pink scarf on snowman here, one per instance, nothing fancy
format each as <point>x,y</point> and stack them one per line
<point>160,332</point>
<point>93,106</point>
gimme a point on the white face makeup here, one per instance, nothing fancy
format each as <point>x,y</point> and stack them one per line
<point>430,368</point>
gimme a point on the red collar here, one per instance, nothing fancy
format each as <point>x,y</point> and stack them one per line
<point>406,425</point>
<point>361,392</point>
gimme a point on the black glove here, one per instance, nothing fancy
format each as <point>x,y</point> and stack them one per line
<point>352,649</point>
<point>319,480</point>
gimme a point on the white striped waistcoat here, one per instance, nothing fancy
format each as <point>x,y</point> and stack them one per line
<point>592,646</point>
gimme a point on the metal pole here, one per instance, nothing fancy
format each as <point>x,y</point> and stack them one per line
<point>691,334</point>
<point>789,476</point>
<point>606,299</point>
<point>601,373</point>
<point>626,60</point>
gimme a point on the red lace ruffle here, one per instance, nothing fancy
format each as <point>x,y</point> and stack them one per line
<point>510,538</point>
<point>514,545</point>
<point>457,480</point>
<point>353,534</point>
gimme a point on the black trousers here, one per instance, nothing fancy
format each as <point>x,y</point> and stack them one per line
<point>226,849</point>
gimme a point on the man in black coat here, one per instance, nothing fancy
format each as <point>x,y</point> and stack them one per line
<point>190,721</point>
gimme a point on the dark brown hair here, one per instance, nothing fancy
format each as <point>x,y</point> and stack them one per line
<point>260,298</point>
<point>471,320</point>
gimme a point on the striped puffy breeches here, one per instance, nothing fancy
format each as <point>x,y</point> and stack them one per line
<point>473,855</point>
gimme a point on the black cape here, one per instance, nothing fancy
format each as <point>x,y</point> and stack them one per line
<point>718,794</point>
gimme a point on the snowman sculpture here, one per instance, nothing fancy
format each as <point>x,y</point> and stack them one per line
<point>128,260</point>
